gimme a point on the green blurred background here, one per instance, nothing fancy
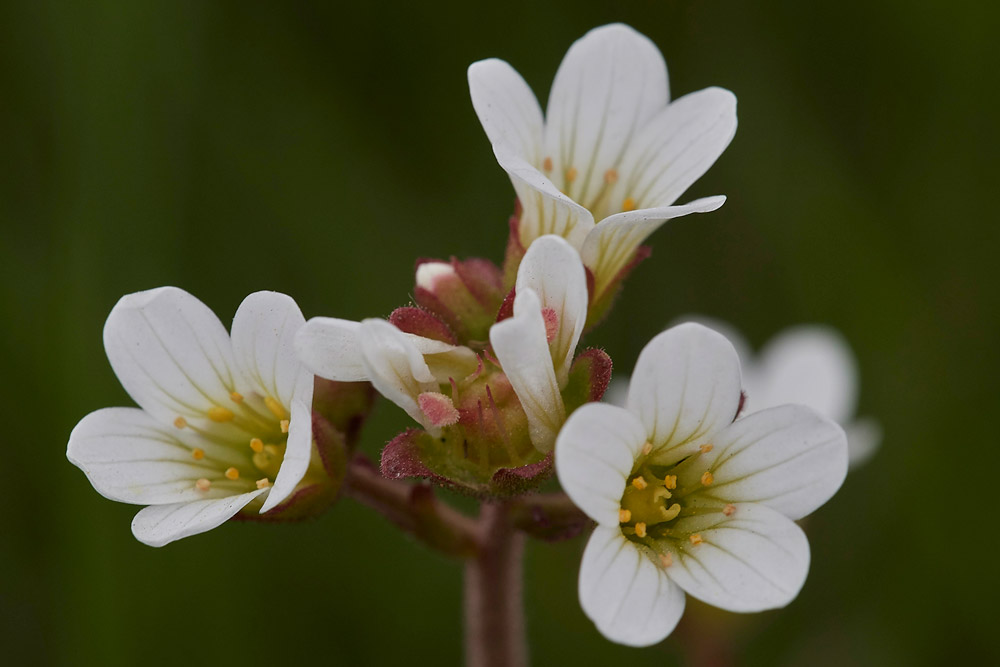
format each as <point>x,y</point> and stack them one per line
<point>319,148</point>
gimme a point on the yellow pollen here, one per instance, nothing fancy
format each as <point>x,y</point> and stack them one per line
<point>547,164</point>
<point>236,396</point>
<point>670,481</point>
<point>695,539</point>
<point>611,176</point>
<point>729,509</point>
<point>198,453</point>
<point>232,473</point>
<point>180,422</point>
<point>275,408</point>
<point>647,448</point>
<point>284,426</point>
<point>257,445</point>
<point>571,174</point>
<point>666,560</point>
<point>707,478</point>
<point>218,413</point>
<point>639,483</point>
<point>629,204</point>
<point>203,484</point>
<point>705,449</point>
<point>624,516</point>
<point>640,529</point>
<point>263,483</point>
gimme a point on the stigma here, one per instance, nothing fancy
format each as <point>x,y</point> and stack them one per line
<point>219,414</point>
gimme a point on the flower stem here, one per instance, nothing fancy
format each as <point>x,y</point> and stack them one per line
<point>494,606</point>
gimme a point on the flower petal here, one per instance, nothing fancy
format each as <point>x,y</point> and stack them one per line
<point>610,246</point>
<point>329,347</point>
<point>158,525</point>
<point>171,353</point>
<point>595,452</point>
<point>811,365</point>
<point>610,84</point>
<point>686,384</point>
<point>544,209</point>
<point>631,600</point>
<point>298,452</point>
<point>552,268</point>
<point>520,346</point>
<point>674,150</point>
<point>863,439</point>
<point>130,457</point>
<point>506,107</point>
<point>444,360</point>
<point>263,337</point>
<point>789,458</point>
<point>395,366</point>
<point>753,560</point>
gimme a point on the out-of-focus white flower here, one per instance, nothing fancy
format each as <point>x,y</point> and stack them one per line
<point>687,500</point>
<point>611,147</point>
<point>223,421</point>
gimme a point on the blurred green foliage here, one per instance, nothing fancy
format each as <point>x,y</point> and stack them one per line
<point>319,148</point>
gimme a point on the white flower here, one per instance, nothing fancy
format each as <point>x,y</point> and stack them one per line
<point>610,148</point>
<point>687,500</point>
<point>223,421</point>
<point>401,366</point>
<point>536,346</point>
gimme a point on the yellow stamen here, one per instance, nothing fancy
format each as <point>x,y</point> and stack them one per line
<point>666,560</point>
<point>640,529</point>
<point>647,448</point>
<point>571,174</point>
<point>547,164</point>
<point>695,539</point>
<point>232,474</point>
<point>729,509</point>
<point>180,422</point>
<point>611,176</point>
<point>257,445</point>
<point>707,478</point>
<point>198,453</point>
<point>275,407</point>
<point>203,484</point>
<point>639,483</point>
<point>670,481</point>
<point>284,426</point>
<point>217,413</point>
<point>705,449</point>
<point>236,396</point>
<point>263,483</point>
<point>624,516</point>
<point>629,204</point>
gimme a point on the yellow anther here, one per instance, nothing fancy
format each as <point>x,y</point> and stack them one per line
<point>666,560</point>
<point>257,445</point>
<point>203,484</point>
<point>284,426</point>
<point>571,174</point>
<point>705,449</point>
<point>547,164</point>
<point>624,516</point>
<point>647,448</point>
<point>263,483</point>
<point>611,176</point>
<point>639,483</point>
<point>640,529</point>
<point>217,413</point>
<point>629,204</point>
<point>236,397</point>
<point>198,453</point>
<point>707,478</point>
<point>695,539</point>
<point>729,509</point>
<point>275,407</point>
<point>180,422</point>
<point>232,473</point>
<point>670,481</point>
